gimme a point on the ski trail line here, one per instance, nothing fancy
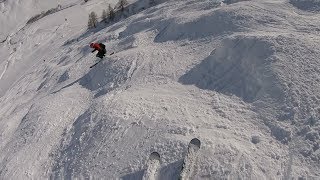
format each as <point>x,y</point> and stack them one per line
<point>189,165</point>
<point>5,69</point>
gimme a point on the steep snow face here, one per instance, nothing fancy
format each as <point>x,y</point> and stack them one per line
<point>249,58</point>
<point>24,48</point>
<point>243,78</point>
<point>20,48</point>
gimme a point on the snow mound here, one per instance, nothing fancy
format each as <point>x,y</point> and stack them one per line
<point>185,26</point>
<point>241,66</point>
<point>262,70</point>
<point>106,76</point>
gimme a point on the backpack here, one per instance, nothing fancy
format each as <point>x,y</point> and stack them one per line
<point>102,46</point>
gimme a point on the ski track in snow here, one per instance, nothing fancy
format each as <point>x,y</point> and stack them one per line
<point>242,77</point>
<point>4,69</point>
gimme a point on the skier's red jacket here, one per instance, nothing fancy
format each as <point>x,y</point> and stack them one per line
<point>96,46</point>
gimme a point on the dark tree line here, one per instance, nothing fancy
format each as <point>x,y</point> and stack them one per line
<point>107,15</point>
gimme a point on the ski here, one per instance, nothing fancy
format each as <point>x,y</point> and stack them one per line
<point>190,160</point>
<point>99,61</point>
<point>95,64</point>
<point>152,167</point>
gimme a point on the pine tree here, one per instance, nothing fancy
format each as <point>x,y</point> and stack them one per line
<point>93,20</point>
<point>152,2</point>
<point>104,16</point>
<point>122,4</point>
<point>111,13</point>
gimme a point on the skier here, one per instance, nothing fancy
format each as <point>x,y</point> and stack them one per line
<point>101,48</point>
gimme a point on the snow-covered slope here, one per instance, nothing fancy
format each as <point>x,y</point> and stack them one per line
<point>23,38</point>
<point>243,78</point>
<point>14,14</point>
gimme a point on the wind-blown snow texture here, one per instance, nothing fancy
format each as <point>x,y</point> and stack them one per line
<point>243,77</point>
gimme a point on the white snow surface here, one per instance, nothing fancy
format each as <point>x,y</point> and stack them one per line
<point>244,78</point>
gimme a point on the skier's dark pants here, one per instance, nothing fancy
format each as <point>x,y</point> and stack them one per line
<point>101,54</point>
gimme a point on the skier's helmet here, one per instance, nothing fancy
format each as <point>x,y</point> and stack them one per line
<point>91,45</point>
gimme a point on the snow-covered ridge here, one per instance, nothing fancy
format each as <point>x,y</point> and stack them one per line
<point>243,78</point>
<point>48,12</point>
<point>14,14</point>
